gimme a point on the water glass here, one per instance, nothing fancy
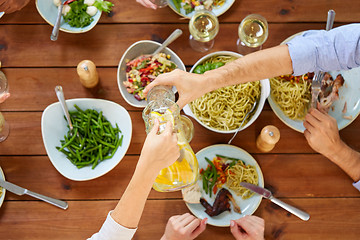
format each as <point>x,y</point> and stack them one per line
<point>160,3</point>
<point>4,128</point>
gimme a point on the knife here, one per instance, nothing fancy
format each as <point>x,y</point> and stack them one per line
<point>267,194</point>
<point>21,191</point>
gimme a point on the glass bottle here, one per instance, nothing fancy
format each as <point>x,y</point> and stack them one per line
<point>184,172</point>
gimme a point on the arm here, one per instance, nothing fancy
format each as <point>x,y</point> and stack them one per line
<point>313,50</point>
<point>248,228</point>
<point>322,135</point>
<point>184,227</point>
<point>159,151</point>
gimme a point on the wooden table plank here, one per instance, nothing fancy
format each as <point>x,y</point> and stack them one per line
<point>282,11</point>
<point>329,217</point>
<point>312,174</point>
<point>105,44</point>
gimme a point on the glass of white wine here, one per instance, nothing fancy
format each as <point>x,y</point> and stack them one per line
<point>4,128</point>
<point>203,27</point>
<point>160,3</point>
<point>253,32</point>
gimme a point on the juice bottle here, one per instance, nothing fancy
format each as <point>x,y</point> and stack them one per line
<point>184,172</point>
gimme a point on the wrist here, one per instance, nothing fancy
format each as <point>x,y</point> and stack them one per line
<point>337,152</point>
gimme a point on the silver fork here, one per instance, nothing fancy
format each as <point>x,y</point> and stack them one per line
<point>55,32</point>
<point>316,87</point>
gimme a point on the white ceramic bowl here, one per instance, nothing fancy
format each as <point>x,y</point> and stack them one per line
<point>135,50</point>
<point>48,11</point>
<point>265,91</point>
<point>54,127</point>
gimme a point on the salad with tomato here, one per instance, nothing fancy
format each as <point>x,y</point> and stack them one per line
<point>141,71</point>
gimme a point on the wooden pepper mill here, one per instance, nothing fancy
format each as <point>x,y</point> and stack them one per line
<point>267,139</point>
<point>86,70</point>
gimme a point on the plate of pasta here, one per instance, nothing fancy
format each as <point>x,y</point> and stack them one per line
<point>186,8</point>
<point>290,97</point>
<point>246,169</point>
<point>224,109</point>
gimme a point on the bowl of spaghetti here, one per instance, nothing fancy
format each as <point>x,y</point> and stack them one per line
<point>224,109</point>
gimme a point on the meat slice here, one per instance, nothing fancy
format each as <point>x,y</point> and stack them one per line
<point>221,203</point>
<point>326,100</point>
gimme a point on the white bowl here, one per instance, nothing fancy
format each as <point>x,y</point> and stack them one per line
<point>135,50</point>
<point>48,11</point>
<point>54,127</point>
<point>265,91</point>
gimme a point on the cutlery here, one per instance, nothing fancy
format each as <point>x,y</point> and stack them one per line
<point>60,95</point>
<point>21,191</point>
<point>173,36</point>
<point>55,32</point>
<point>1,14</point>
<point>267,194</point>
<point>316,82</point>
<point>242,122</point>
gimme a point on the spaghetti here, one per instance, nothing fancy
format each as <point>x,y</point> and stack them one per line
<point>241,173</point>
<point>293,97</point>
<point>225,108</point>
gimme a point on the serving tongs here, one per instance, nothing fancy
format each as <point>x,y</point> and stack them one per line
<point>319,75</point>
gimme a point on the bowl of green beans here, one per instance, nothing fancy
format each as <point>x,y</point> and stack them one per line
<point>99,139</point>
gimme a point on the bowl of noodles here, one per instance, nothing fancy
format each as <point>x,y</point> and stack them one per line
<point>224,109</point>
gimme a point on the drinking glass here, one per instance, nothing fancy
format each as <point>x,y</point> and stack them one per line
<point>4,87</point>
<point>4,128</point>
<point>253,32</point>
<point>203,27</point>
<point>160,3</point>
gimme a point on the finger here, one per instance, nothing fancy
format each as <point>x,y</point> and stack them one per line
<point>4,97</point>
<point>308,126</point>
<point>160,80</point>
<point>235,230</point>
<point>181,102</point>
<point>155,127</point>
<point>311,119</point>
<point>307,135</point>
<point>192,225</point>
<point>188,219</point>
<point>168,128</point>
<point>201,228</point>
<point>182,217</point>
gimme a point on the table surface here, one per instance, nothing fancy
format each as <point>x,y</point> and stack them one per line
<point>34,65</point>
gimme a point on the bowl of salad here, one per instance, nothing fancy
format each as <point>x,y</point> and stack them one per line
<point>78,16</point>
<point>138,68</point>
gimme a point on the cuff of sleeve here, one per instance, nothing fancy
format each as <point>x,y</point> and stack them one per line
<point>357,185</point>
<point>115,229</point>
<point>303,55</point>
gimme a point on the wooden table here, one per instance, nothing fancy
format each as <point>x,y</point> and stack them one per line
<point>34,65</point>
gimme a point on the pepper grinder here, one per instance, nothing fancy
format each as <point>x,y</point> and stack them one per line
<point>267,139</point>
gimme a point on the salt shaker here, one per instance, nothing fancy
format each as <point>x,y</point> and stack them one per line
<point>267,139</point>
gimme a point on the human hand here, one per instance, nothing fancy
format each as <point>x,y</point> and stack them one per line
<point>248,227</point>
<point>184,227</point>
<point>159,150</point>
<point>322,133</point>
<point>4,97</point>
<point>189,85</point>
<point>147,3</point>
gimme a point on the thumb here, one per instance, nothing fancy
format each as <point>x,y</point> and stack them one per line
<point>168,128</point>
<point>235,230</point>
<point>200,229</point>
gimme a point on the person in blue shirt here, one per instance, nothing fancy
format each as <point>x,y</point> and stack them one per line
<point>315,50</point>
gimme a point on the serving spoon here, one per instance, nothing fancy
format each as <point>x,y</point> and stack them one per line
<point>242,122</point>
<point>174,35</point>
<point>60,95</point>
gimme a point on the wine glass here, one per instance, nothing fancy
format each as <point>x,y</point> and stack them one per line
<point>203,27</point>
<point>253,32</point>
<point>160,3</point>
<point>4,87</point>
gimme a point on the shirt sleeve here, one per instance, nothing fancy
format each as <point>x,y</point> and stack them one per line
<point>320,50</point>
<point>111,230</point>
<point>357,185</point>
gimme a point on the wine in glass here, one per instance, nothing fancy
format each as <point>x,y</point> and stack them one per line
<point>160,3</point>
<point>253,32</point>
<point>203,27</point>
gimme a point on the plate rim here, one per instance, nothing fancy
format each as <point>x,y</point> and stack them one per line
<point>2,197</point>
<point>92,25</point>
<point>87,100</point>
<point>261,177</point>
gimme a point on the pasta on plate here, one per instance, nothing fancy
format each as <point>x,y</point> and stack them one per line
<point>225,108</point>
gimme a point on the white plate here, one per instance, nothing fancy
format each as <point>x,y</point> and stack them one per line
<point>247,206</point>
<point>135,50</point>
<point>54,127</point>
<point>217,10</point>
<point>2,196</point>
<point>349,93</point>
<point>265,91</point>
<point>48,11</point>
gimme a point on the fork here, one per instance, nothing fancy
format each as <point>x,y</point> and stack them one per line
<point>316,87</point>
<point>55,32</point>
